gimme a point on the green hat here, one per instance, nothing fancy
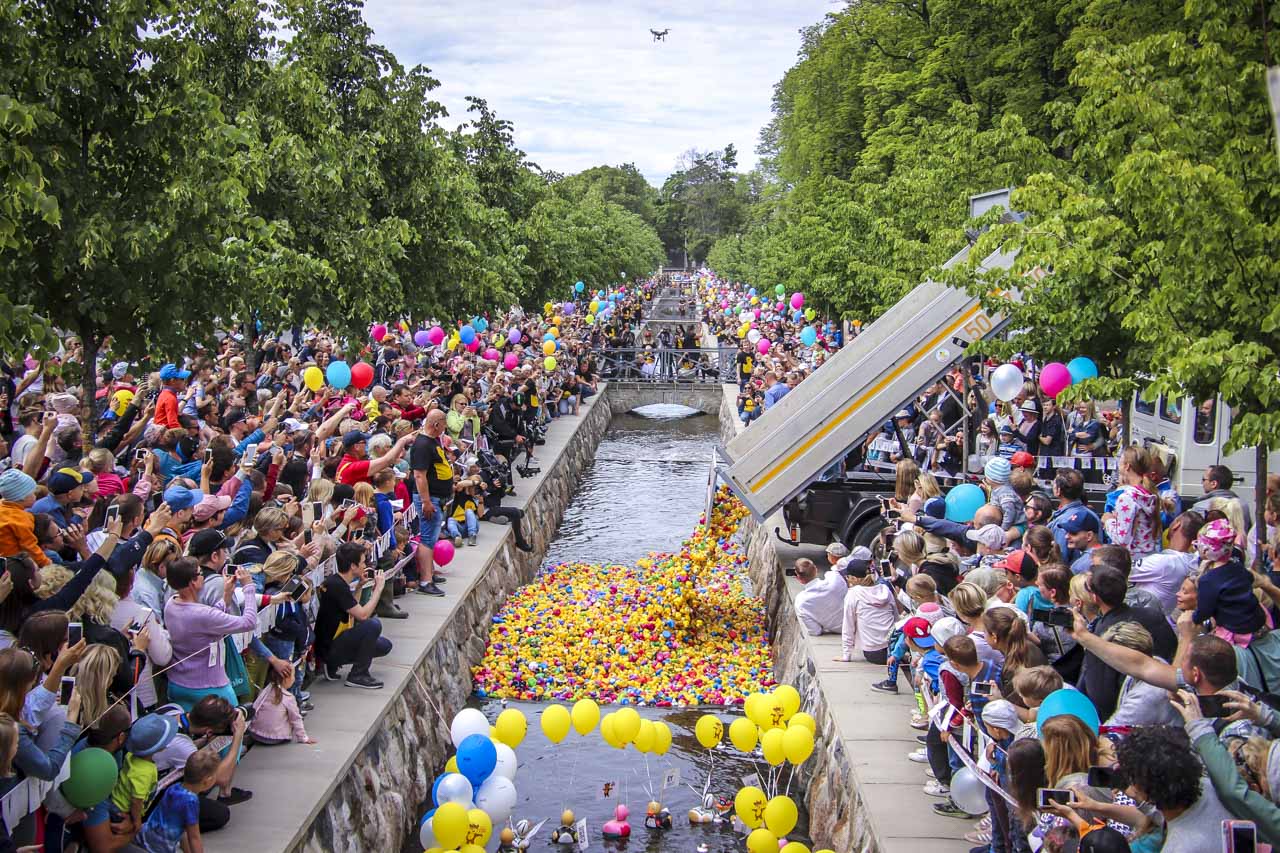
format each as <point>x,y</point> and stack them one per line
<point>93,775</point>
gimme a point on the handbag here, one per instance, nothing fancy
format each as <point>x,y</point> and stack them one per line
<point>237,673</point>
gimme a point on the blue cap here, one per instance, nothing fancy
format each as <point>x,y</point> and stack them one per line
<point>180,497</point>
<point>68,479</point>
<point>353,438</point>
<point>1080,520</point>
<point>935,508</point>
<point>171,371</point>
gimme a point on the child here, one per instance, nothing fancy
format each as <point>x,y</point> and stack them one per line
<point>956,677</point>
<point>138,777</point>
<point>276,716</point>
<point>1000,721</point>
<point>1225,591</point>
<point>176,818</point>
<point>466,511</point>
<point>926,660</point>
<point>1034,684</point>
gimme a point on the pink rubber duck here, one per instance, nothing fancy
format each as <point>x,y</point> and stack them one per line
<point>618,827</point>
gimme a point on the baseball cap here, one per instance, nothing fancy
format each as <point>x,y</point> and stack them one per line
<point>854,567</point>
<point>150,734</point>
<point>1001,714</point>
<point>205,542</point>
<point>917,630</point>
<point>171,371</point>
<point>1023,459</point>
<point>935,508</point>
<point>68,479</point>
<point>1080,520</point>
<point>837,550</point>
<point>946,628</point>
<point>209,506</point>
<point>1019,563</point>
<point>991,535</point>
<point>354,437</point>
<point>233,417</point>
<point>901,413</point>
<point>294,425</point>
<point>180,497</point>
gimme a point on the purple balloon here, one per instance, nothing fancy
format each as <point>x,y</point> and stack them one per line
<point>421,338</point>
<point>514,335</point>
<point>568,309</point>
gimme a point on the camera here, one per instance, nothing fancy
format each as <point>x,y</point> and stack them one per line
<point>1060,617</point>
<point>246,710</point>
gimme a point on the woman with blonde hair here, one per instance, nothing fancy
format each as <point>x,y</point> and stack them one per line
<point>908,547</point>
<point>927,487</point>
<point>907,473</point>
<point>94,675</point>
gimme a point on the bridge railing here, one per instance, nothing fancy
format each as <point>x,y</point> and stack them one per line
<point>666,365</point>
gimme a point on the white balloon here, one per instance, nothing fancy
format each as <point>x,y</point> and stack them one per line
<point>1006,382</point>
<point>454,788</point>
<point>427,835</point>
<point>507,763</point>
<point>468,721</point>
<point>754,336</point>
<point>497,797</point>
<point>968,793</point>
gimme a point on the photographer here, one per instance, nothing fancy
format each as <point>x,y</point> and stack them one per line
<point>346,631</point>
<point>211,717</point>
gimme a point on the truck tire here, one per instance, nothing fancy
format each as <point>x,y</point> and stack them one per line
<point>863,531</point>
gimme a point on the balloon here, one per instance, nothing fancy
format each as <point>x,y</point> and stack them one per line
<point>93,775</point>
<point>1054,378</point>
<point>421,338</point>
<point>762,840</point>
<point>963,501</point>
<point>549,363</point>
<point>510,361</point>
<point>627,724</point>
<point>790,699</point>
<point>513,336</point>
<point>1006,382</point>
<point>797,744</point>
<point>780,815</point>
<point>1082,368</point>
<point>555,722</point>
<point>492,354</point>
<point>450,825</point>
<point>780,289</point>
<point>753,335</point>
<point>361,374</point>
<point>548,308</point>
<point>435,335</point>
<point>755,300</point>
<point>709,730</point>
<point>751,705</point>
<point>425,834</point>
<point>442,553</point>
<point>452,788</point>
<point>771,746</point>
<point>607,732</point>
<point>479,827</point>
<point>967,792</point>
<point>809,313</point>
<point>662,738</point>
<point>511,726</point>
<point>338,374</point>
<point>378,332</point>
<point>568,308</point>
<point>749,806</point>
<point>593,307</point>
<point>554,331</point>
<point>780,307</point>
<point>548,347</point>
<point>763,346</point>
<point>793,847</point>
<point>579,287</point>
<point>313,378</point>
<point>497,797</point>
<point>451,766</point>
<point>797,301</point>
<point>742,732</point>
<point>1070,702</point>
<point>591,318</point>
<point>585,715</point>
<point>467,334</point>
<point>473,346</point>
<point>467,721</point>
<point>808,336</point>
<point>481,324</point>
<point>477,757</point>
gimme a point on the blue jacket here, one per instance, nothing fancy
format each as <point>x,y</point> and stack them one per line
<point>952,530</point>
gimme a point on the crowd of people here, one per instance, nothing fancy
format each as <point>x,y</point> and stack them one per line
<point>187,552</point>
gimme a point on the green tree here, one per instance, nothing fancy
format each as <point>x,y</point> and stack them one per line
<point>622,185</point>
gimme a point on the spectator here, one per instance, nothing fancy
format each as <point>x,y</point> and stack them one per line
<point>820,604</point>
<point>869,613</point>
<point>1068,489</point>
<point>194,625</point>
<point>1217,482</point>
<point>1162,573</point>
<point>1135,524</point>
<point>1225,591</point>
<point>346,630</point>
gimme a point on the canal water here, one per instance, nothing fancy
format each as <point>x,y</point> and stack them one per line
<point>644,492</point>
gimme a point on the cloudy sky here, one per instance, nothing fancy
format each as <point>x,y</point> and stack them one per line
<point>585,84</point>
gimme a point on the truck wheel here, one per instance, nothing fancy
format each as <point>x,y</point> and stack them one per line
<point>864,532</point>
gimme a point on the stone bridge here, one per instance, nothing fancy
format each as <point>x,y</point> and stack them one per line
<point>623,396</point>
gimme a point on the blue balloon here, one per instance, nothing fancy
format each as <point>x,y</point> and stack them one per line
<point>435,791</point>
<point>467,334</point>
<point>548,337</point>
<point>963,501</point>
<point>1082,368</point>
<point>579,286</point>
<point>338,374</point>
<point>751,292</point>
<point>482,325</point>
<point>808,336</point>
<point>476,758</point>
<point>728,312</point>
<point>1070,702</point>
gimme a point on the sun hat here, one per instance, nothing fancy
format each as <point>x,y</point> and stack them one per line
<point>997,469</point>
<point>1001,714</point>
<point>1216,540</point>
<point>150,734</point>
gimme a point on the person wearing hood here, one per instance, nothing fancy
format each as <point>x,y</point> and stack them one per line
<point>869,613</point>
<point>1135,524</point>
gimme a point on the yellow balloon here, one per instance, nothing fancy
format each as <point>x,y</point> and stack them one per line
<point>453,342</point>
<point>548,347</point>
<point>555,332</point>
<point>313,377</point>
<point>794,847</point>
<point>797,744</point>
<point>825,850</point>
<point>434,850</point>
<point>771,746</point>
<point>790,699</point>
<point>780,815</point>
<point>591,318</point>
<point>662,741</point>
<point>626,724</point>
<point>471,848</point>
<point>593,307</point>
<point>800,718</point>
<point>479,827</point>
<point>450,825</point>
<point>549,363</point>
<point>555,722</point>
<point>771,713</point>
<point>743,734</point>
<point>748,805</point>
<point>749,706</point>
<point>451,766</point>
<point>511,727</point>
<point>607,731</point>
<point>762,841</point>
<point>548,308</point>
<point>709,730</point>
<point>755,300</point>
<point>585,715</point>
<point>647,737</point>
<point>743,329</point>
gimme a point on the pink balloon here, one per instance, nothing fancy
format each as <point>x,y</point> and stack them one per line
<point>781,306</point>
<point>443,552</point>
<point>435,335</point>
<point>1054,378</point>
<point>797,301</point>
<point>492,354</point>
<point>756,311</point>
<point>511,361</point>
<point>763,346</point>
<point>724,303</point>
<point>378,332</point>
<point>474,345</point>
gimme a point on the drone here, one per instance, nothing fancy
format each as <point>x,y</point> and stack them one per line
<point>660,35</point>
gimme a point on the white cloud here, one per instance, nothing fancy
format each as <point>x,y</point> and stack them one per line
<point>585,84</point>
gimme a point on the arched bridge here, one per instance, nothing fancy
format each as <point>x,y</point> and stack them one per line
<point>687,377</point>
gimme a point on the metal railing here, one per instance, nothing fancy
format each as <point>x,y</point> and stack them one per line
<point>667,365</point>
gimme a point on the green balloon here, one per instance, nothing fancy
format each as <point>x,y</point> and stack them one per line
<point>780,289</point>
<point>93,775</point>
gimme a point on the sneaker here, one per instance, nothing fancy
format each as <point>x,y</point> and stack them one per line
<point>500,519</point>
<point>937,789</point>
<point>365,680</point>
<point>928,771</point>
<point>920,756</point>
<point>886,686</point>
<point>438,579</point>
<point>237,796</point>
<point>332,673</point>
<point>430,589</point>
<point>306,706</point>
<point>471,540</point>
<point>950,809</point>
<point>921,739</point>
<point>304,696</point>
<point>919,723</point>
<point>984,825</point>
<point>978,836</point>
<point>457,542</point>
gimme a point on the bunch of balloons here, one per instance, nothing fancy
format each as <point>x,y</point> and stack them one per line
<point>1055,377</point>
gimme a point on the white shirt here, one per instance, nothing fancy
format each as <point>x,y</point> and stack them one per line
<point>1162,574</point>
<point>820,605</point>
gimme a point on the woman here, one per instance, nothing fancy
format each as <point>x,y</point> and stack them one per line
<point>170,462</point>
<point>943,566</point>
<point>129,617</point>
<point>93,612</point>
<point>1140,703</point>
<point>288,637</point>
<point>461,420</point>
<point>23,600</point>
<point>1135,523</point>
<point>19,674</point>
<point>870,610</point>
<point>269,527</point>
<point>970,603</point>
<point>1007,633</point>
<point>1087,434</point>
<point>94,676</point>
<point>1053,582</point>
<point>1039,541</point>
<point>1070,749</point>
<point>904,486</point>
<point>908,549</point>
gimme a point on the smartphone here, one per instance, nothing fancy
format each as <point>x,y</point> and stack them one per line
<point>306,537</point>
<point>1107,777</point>
<point>295,588</point>
<point>65,687</point>
<point>113,515</point>
<point>982,688</point>
<point>250,454</point>
<point>141,454</point>
<point>133,628</point>
<point>1239,836</point>
<point>308,515</point>
<point>1045,796</point>
<point>208,455</point>
<point>888,539</point>
<point>1059,616</point>
<point>1214,705</point>
<point>75,633</point>
<point>886,567</point>
<point>368,574</point>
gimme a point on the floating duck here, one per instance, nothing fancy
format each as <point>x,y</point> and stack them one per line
<point>618,827</point>
<point>507,841</point>
<point>705,813</point>
<point>703,848</point>
<point>524,833</point>
<point>656,817</point>
<point>565,833</point>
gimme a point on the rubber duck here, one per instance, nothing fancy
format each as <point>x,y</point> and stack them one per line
<point>507,841</point>
<point>705,813</point>
<point>618,827</point>
<point>524,833</point>
<point>565,833</point>
<point>656,817</point>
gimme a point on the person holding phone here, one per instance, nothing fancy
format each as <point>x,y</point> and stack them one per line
<point>197,631</point>
<point>347,632</point>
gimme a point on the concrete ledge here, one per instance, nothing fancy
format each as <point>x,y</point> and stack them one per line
<point>862,792</point>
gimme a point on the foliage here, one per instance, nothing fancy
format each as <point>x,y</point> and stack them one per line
<point>701,202</point>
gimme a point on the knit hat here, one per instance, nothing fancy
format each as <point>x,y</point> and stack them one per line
<point>16,485</point>
<point>997,469</point>
<point>1002,714</point>
<point>1216,540</point>
<point>930,612</point>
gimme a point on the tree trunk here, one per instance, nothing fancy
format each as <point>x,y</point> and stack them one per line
<point>90,343</point>
<point>1260,502</point>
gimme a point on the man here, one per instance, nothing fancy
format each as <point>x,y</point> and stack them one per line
<point>357,467</point>
<point>1217,482</point>
<point>433,484</point>
<point>174,383</point>
<point>745,360</point>
<point>211,717</point>
<point>820,604</point>
<point>360,643</point>
<point>1053,431</point>
<point>1083,534</point>
<point>1162,573</point>
<point>402,402</point>
<point>1068,489</point>
<point>66,490</point>
<point>774,390</point>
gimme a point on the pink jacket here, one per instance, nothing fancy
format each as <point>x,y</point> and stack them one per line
<point>277,721</point>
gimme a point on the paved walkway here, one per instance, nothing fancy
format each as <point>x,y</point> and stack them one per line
<point>292,782</point>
